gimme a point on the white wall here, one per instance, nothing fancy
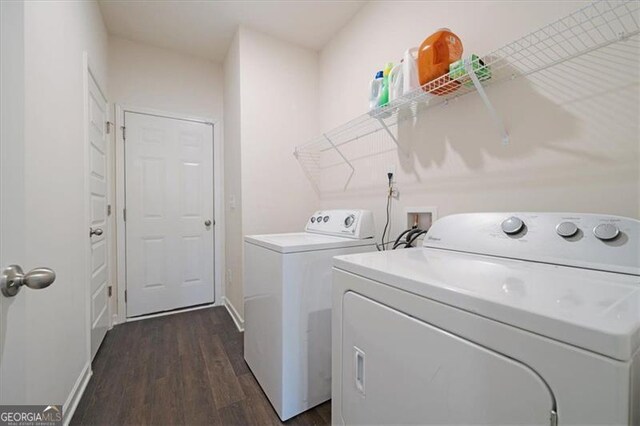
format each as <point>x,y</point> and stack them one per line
<point>56,34</point>
<point>278,91</point>
<point>574,128</point>
<point>151,77</point>
<point>233,175</point>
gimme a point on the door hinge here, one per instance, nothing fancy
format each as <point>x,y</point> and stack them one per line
<point>124,214</point>
<point>109,124</point>
<point>108,209</point>
<point>125,295</point>
<point>553,419</point>
<point>124,133</point>
<point>109,291</point>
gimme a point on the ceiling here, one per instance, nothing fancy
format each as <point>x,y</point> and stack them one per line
<point>206,28</point>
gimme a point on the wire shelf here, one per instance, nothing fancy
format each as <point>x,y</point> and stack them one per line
<point>589,28</point>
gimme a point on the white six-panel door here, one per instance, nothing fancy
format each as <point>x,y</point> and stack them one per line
<point>169,213</point>
<point>98,232</point>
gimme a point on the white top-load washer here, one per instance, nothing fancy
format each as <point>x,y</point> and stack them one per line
<point>287,305</point>
<point>522,318</point>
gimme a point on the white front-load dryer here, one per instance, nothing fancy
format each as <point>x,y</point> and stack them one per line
<point>528,318</point>
<point>287,306</point>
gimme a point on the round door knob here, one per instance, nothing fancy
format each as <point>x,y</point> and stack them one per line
<point>567,229</point>
<point>12,278</point>
<point>207,223</point>
<point>96,232</point>
<point>512,226</point>
<point>606,231</point>
<point>39,278</point>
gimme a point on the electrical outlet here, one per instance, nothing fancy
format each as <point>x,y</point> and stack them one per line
<point>391,168</point>
<point>391,176</point>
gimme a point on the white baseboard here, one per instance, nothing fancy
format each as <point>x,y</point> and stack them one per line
<point>234,314</point>
<point>70,405</point>
<point>177,311</point>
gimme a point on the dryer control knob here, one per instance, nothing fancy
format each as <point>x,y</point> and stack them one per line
<point>349,221</point>
<point>567,229</point>
<point>513,225</point>
<point>606,231</point>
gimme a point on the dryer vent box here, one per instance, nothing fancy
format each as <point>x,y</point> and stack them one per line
<point>424,216</point>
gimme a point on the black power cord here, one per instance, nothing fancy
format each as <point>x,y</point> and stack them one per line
<point>410,236</point>
<point>389,195</point>
<point>397,241</point>
<point>414,238</point>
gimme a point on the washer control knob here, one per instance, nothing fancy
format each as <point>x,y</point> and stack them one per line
<point>512,226</point>
<point>606,231</point>
<point>567,229</point>
<point>313,219</point>
<point>319,219</point>
<point>349,221</point>
<point>325,219</point>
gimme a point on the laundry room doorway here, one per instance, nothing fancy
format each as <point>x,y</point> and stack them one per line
<point>168,232</point>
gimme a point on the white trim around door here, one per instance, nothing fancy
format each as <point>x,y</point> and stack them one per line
<point>218,197</point>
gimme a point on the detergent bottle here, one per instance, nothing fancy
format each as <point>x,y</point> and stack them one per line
<point>375,91</point>
<point>384,96</point>
<point>436,53</point>
<point>396,78</point>
<point>410,80</point>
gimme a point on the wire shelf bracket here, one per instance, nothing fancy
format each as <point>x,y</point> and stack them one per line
<point>468,66</point>
<point>353,169</point>
<point>392,136</point>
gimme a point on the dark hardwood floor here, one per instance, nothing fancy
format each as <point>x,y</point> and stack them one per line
<point>182,369</point>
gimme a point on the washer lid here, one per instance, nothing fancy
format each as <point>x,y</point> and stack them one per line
<point>304,241</point>
<point>595,310</point>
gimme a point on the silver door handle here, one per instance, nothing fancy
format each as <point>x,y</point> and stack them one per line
<point>97,231</point>
<point>207,223</point>
<point>13,277</point>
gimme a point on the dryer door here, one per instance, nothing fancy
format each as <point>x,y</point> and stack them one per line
<point>397,369</point>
